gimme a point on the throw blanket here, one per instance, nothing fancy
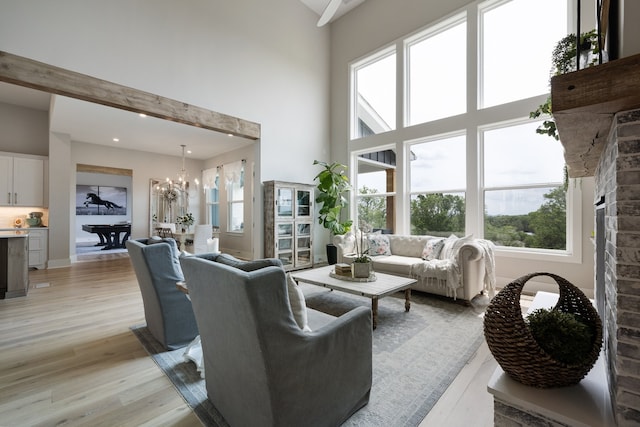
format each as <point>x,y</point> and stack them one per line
<point>489,265</point>
<point>446,273</point>
<point>439,272</point>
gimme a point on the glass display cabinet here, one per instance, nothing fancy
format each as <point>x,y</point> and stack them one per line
<point>288,223</point>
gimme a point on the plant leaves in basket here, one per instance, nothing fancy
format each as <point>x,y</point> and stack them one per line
<point>517,351</point>
<point>562,335</point>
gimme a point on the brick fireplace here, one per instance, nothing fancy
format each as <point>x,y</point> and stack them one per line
<point>617,194</point>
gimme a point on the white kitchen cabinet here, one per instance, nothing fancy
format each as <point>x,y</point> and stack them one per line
<point>38,247</point>
<point>21,181</point>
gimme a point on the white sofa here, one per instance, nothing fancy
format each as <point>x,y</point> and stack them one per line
<point>463,268</point>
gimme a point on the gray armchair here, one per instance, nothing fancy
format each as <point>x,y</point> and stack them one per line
<point>167,310</point>
<point>261,368</point>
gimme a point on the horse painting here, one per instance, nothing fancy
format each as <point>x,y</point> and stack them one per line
<point>94,199</point>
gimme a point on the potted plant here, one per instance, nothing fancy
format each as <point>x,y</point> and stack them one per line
<point>185,221</point>
<point>362,266</point>
<point>563,60</point>
<point>333,183</point>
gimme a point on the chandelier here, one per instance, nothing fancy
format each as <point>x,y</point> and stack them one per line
<point>183,175</point>
<point>182,182</point>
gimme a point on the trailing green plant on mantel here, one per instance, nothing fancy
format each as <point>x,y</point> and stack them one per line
<point>563,60</point>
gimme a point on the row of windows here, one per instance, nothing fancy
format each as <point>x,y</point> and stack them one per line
<point>484,171</point>
<point>231,195</point>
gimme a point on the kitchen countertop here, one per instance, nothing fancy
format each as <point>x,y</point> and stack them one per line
<point>6,234</point>
<point>12,229</point>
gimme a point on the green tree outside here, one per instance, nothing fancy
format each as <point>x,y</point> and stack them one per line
<point>372,210</point>
<point>437,213</point>
<point>441,214</point>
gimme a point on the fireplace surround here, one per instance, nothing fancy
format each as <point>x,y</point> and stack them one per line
<point>617,194</point>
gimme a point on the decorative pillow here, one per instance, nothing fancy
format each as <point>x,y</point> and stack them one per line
<point>432,249</point>
<point>379,244</point>
<point>247,265</point>
<point>298,304</point>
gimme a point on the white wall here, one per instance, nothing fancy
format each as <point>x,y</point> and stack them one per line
<point>144,166</point>
<point>23,130</point>
<point>262,61</point>
<point>101,179</point>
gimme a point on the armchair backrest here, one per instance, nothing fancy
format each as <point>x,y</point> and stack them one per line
<point>261,368</point>
<point>167,310</point>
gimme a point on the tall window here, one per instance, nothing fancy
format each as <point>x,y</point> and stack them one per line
<point>211,182</point>
<point>376,190</point>
<point>234,174</point>
<point>466,168</point>
<point>434,58</point>
<point>524,193</point>
<point>374,81</point>
<point>437,186</point>
<point>516,50</point>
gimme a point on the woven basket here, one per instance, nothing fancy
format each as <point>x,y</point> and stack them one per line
<point>516,350</point>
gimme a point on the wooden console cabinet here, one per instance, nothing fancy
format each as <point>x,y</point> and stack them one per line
<point>14,271</point>
<point>289,223</point>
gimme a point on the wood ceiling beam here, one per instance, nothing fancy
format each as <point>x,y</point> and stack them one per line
<point>48,78</point>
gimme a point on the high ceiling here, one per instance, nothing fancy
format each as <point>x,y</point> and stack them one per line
<point>318,6</point>
<point>97,124</point>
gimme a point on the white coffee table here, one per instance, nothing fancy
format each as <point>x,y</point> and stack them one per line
<point>385,284</point>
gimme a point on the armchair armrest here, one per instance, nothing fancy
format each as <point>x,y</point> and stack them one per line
<point>341,349</point>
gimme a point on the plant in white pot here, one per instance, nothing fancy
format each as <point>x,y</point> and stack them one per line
<point>362,266</point>
<point>332,185</point>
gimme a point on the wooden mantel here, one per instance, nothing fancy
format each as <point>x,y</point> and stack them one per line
<point>584,103</point>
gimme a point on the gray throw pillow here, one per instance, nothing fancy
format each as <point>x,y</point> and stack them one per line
<point>246,265</point>
<point>298,304</point>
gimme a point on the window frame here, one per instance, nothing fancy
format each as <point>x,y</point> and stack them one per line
<point>573,222</point>
<point>353,71</point>
<point>471,122</point>
<point>232,202</point>
<point>431,31</point>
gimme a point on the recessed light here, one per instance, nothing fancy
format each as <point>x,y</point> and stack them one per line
<point>229,134</point>
<point>116,139</point>
<point>188,151</point>
<point>142,115</point>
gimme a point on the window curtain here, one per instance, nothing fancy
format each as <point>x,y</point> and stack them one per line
<point>209,178</point>
<point>233,172</point>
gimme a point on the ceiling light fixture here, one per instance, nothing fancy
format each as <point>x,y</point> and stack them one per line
<point>183,175</point>
<point>116,139</point>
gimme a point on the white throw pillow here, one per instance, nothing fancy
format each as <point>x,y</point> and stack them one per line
<point>452,245</point>
<point>298,304</point>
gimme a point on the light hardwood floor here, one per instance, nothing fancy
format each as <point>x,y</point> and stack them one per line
<point>68,357</point>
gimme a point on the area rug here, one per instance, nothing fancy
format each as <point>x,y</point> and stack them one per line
<point>416,355</point>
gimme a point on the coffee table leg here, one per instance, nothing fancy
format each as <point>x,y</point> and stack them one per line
<point>407,299</point>
<point>374,311</point>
